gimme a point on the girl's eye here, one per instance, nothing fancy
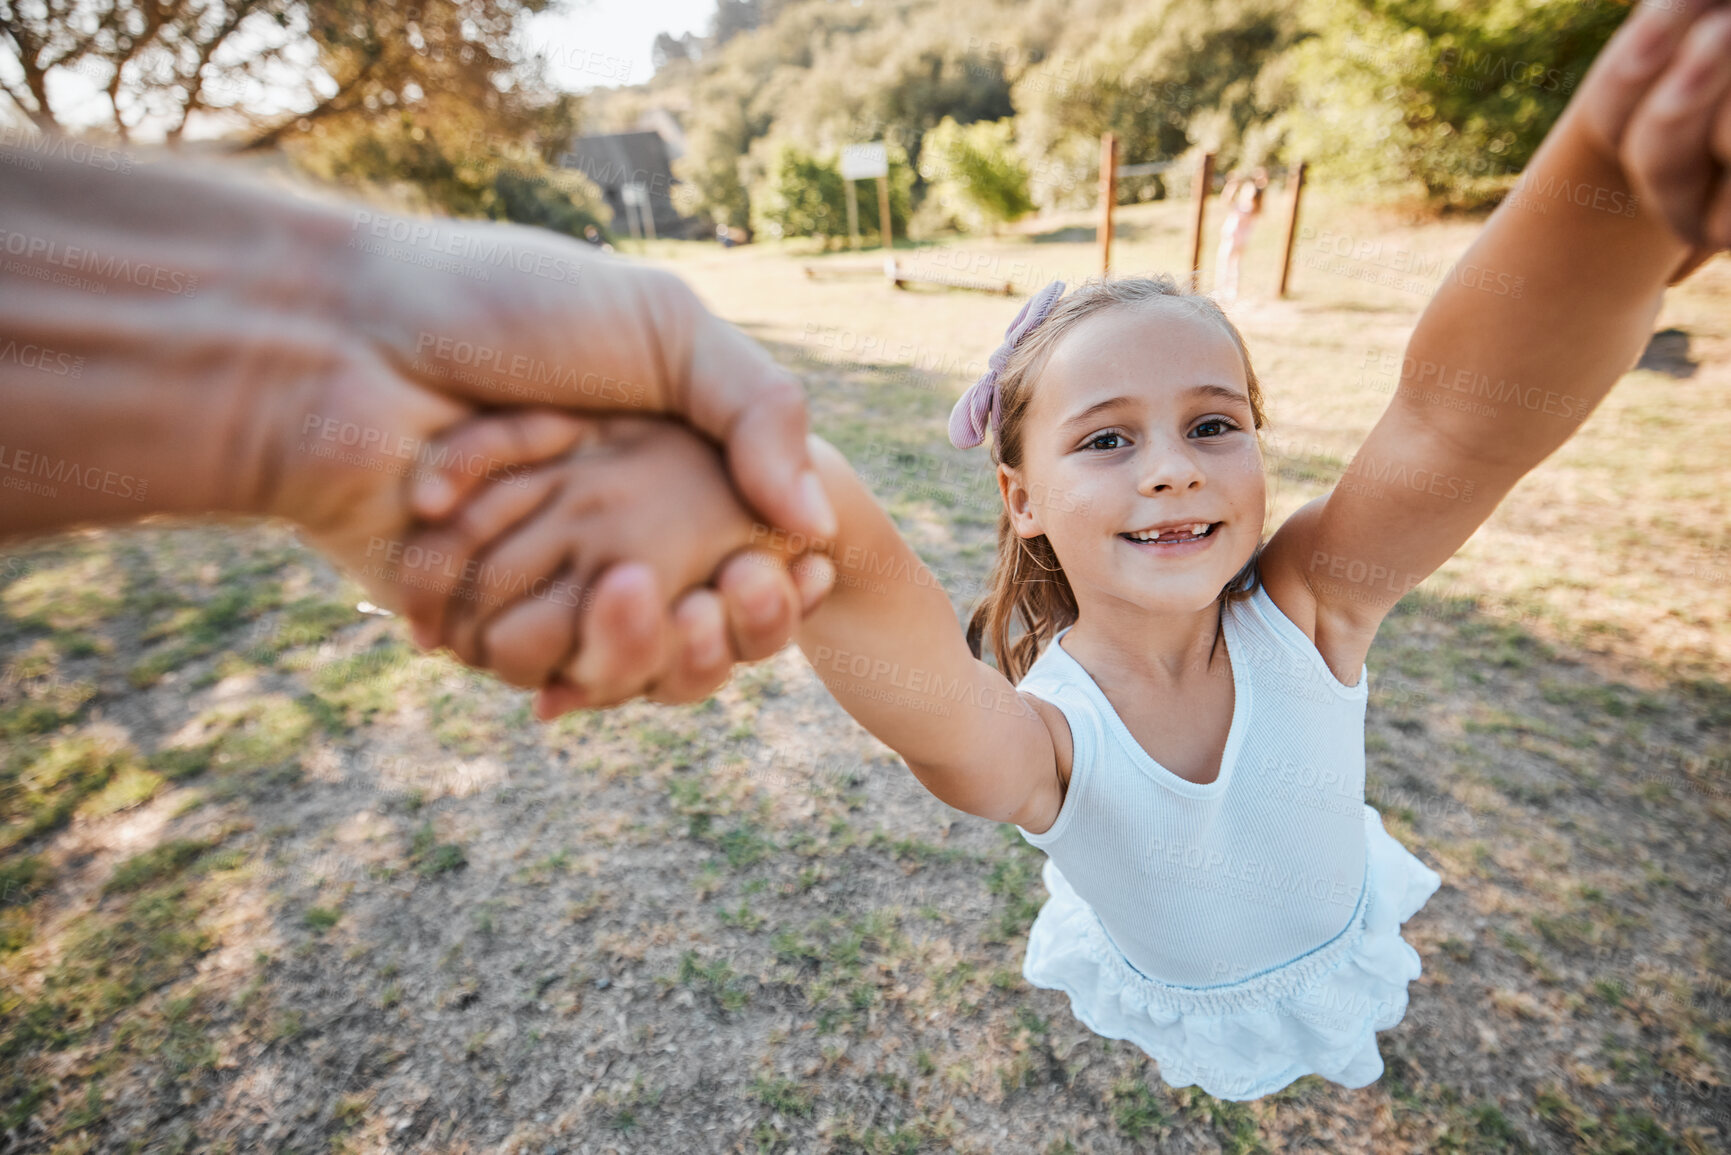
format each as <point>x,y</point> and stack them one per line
<point>1095,441</point>
<point>1214,427</point>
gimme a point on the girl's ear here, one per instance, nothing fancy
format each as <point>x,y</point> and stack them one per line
<point>1019,502</point>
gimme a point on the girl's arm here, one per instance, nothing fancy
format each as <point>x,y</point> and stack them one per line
<point>888,645</point>
<point>1549,307</point>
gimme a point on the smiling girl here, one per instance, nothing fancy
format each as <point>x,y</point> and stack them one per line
<point>1174,706</point>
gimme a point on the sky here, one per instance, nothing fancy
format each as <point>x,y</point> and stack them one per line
<point>606,43</point>
<point>590,44</point>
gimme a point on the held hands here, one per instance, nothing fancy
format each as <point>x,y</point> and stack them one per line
<point>1657,102</point>
<point>523,564</point>
<point>407,356</point>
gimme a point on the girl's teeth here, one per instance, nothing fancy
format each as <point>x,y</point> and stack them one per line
<point>1197,530</point>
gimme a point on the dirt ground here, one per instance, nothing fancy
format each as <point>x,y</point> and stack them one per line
<point>270,880</point>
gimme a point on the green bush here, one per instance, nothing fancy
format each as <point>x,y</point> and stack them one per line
<point>975,174</point>
<point>803,195</point>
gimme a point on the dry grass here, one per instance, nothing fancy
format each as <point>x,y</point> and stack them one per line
<point>274,882</point>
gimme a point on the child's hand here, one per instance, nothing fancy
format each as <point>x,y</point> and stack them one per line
<point>1657,101</point>
<point>522,565</point>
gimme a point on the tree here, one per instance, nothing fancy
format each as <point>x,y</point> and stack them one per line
<point>164,65</point>
<point>1450,102</point>
<point>1166,77</point>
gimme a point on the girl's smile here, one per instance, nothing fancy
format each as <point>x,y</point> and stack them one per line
<point>1142,420</point>
<point>1182,539</point>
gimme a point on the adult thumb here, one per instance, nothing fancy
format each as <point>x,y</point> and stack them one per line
<point>756,409</point>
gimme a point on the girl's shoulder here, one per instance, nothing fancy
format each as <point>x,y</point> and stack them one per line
<point>1282,621</point>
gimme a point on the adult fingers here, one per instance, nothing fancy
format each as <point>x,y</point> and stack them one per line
<point>435,597</point>
<point>813,577</point>
<point>701,658</point>
<point>1667,151</point>
<point>556,698</point>
<point>627,636</point>
<point>490,447</point>
<point>1694,260</point>
<point>1719,215</point>
<point>738,395</point>
<point>535,563</point>
<point>527,642</point>
<point>762,603</point>
<point>1628,66</point>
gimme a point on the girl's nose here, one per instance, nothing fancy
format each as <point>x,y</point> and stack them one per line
<point>1170,467</point>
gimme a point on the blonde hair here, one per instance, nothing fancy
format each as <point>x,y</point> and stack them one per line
<point>1027,583</point>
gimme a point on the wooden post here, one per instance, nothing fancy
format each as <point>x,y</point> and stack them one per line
<point>1204,185</point>
<point>1292,226</point>
<point>1108,196</point>
<point>884,228</point>
<point>852,216</point>
<point>630,199</point>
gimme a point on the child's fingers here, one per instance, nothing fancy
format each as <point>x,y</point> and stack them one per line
<point>626,636</point>
<point>701,661</point>
<point>447,551</point>
<point>1668,148</point>
<point>762,603</point>
<point>490,447</point>
<point>528,642</point>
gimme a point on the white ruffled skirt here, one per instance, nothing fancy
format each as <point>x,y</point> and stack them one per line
<point>1317,1014</point>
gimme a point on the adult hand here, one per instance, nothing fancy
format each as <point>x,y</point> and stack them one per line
<point>1657,100</point>
<point>555,323</point>
<point>237,351</point>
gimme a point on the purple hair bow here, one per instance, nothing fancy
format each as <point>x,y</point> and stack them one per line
<point>969,419</point>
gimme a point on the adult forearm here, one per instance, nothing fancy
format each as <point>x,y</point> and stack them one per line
<point>1550,306</point>
<point>144,316</point>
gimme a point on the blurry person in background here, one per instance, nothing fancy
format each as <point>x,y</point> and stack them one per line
<point>1242,197</point>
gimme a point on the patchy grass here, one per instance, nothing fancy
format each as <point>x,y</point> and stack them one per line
<point>834,957</point>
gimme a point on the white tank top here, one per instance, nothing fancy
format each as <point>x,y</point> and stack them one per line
<point>1204,885</point>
